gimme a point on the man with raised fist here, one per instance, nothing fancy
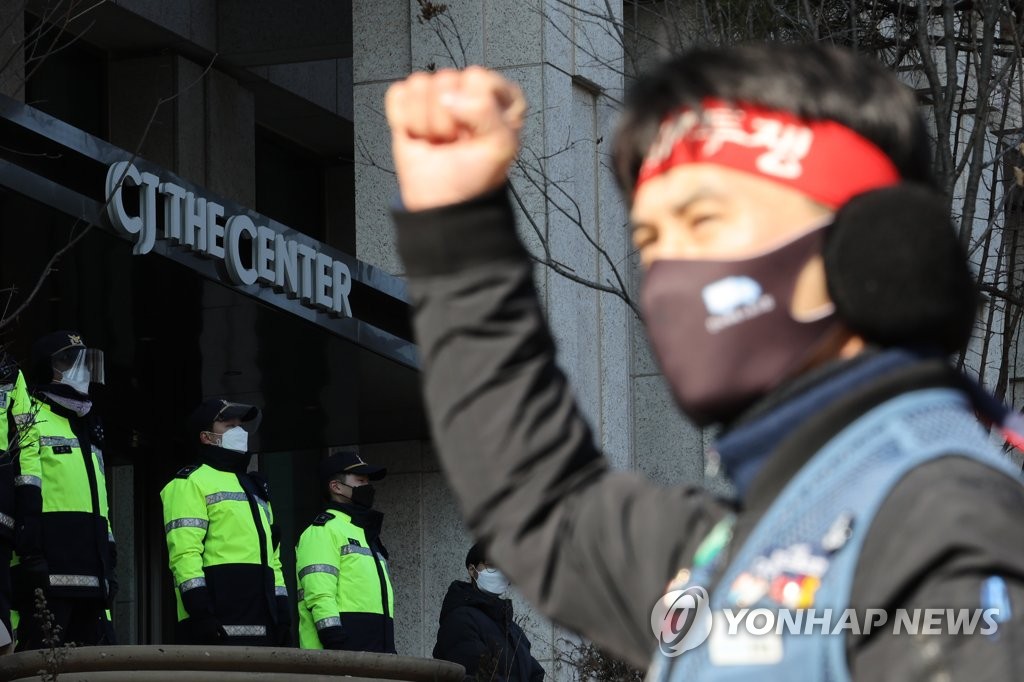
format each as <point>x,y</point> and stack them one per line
<point>802,288</point>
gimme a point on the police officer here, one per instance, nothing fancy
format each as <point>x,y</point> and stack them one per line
<point>222,542</point>
<point>15,437</point>
<point>63,538</point>
<point>346,600</point>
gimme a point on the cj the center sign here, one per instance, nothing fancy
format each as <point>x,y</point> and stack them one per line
<point>193,222</point>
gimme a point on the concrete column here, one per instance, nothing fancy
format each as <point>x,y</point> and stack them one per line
<point>226,150</point>
<point>381,53</point>
<point>126,616</point>
<point>137,86</point>
<point>421,524</point>
<point>571,71</point>
<point>230,138</point>
<point>203,125</point>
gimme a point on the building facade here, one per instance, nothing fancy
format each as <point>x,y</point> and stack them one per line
<point>262,121</point>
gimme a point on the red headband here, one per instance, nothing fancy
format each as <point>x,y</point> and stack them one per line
<point>824,160</point>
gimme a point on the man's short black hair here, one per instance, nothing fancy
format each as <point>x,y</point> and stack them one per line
<point>816,82</point>
<point>477,555</point>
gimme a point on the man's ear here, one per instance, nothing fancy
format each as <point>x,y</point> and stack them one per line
<point>897,272</point>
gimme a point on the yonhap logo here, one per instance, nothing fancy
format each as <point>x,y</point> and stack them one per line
<point>681,620</point>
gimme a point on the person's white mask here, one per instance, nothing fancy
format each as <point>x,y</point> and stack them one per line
<point>492,580</point>
<point>236,438</point>
<point>78,377</point>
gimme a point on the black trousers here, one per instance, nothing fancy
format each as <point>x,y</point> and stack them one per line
<point>368,632</point>
<point>82,621</point>
<point>185,634</point>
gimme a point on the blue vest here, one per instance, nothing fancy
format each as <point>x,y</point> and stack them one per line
<point>804,551</point>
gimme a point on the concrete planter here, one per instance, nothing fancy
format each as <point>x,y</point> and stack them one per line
<point>223,664</point>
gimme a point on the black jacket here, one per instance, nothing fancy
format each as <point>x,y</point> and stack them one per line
<point>478,631</point>
<point>594,548</point>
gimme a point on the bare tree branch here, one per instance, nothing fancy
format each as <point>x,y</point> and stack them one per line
<point>963,57</point>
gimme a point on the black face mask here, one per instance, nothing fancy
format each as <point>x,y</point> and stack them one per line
<point>722,331</point>
<point>362,496</point>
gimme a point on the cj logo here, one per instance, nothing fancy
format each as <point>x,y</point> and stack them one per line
<point>681,620</point>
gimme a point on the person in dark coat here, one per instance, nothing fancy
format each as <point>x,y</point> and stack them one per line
<point>478,628</point>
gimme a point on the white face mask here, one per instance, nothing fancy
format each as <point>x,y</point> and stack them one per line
<point>492,580</point>
<point>236,438</point>
<point>78,378</point>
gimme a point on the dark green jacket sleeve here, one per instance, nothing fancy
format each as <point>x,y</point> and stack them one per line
<point>593,549</point>
<point>966,528</point>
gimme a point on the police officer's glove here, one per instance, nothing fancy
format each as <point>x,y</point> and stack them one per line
<point>206,629</point>
<point>333,637</point>
<point>32,574</point>
<point>112,585</point>
<point>28,534</point>
<point>112,590</point>
<point>284,621</point>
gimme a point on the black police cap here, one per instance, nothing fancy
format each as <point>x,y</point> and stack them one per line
<point>45,347</point>
<point>218,409</point>
<point>349,462</point>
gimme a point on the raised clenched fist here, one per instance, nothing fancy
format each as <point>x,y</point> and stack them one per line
<point>454,134</point>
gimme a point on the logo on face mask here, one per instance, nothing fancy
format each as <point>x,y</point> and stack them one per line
<point>732,300</point>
